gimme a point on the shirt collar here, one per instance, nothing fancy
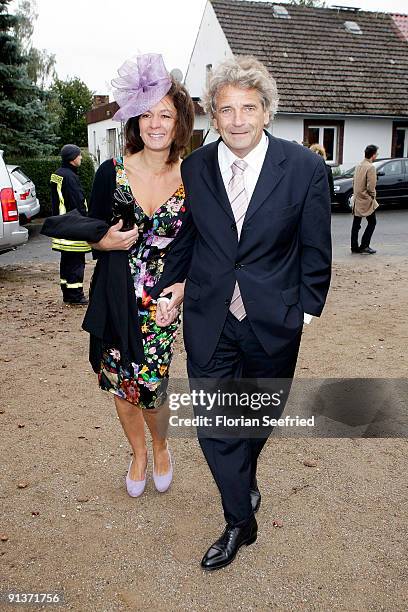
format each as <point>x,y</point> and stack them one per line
<point>254,159</point>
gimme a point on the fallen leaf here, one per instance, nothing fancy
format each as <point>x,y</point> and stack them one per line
<point>21,425</point>
<point>35,513</point>
<point>3,537</point>
<point>277,523</point>
<point>22,485</point>
<point>309,463</point>
<point>82,500</point>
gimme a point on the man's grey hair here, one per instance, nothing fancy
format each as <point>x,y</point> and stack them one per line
<point>246,72</point>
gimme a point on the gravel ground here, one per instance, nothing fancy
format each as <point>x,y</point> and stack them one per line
<point>68,524</point>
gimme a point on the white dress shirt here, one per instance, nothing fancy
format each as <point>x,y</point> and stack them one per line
<point>255,160</point>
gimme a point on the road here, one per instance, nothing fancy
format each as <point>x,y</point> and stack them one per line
<point>390,239</point>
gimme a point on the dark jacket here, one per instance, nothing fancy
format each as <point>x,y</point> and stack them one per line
<point>282,261</point>
<point>112,315</point>
<point>71,189</point>
<point>331,182</point>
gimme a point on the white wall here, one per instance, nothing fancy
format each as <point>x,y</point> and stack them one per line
<point>289,128</point>
<point>211,47</point>
<point>100,128</point>
<point>360,132</point>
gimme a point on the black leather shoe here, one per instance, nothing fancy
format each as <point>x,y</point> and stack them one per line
<point>81,302</point>
<point>224,550</point>
<point>368,251</point>
<point>255,499</point>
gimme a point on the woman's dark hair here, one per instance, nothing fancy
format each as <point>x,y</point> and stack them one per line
<point>370,150</point>
<point>184,124</point>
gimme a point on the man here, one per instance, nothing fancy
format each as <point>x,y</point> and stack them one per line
<point>255,251</point>
<point>364,204</point>
<point>66,195</point>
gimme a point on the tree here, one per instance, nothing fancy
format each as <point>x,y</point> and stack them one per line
<point>74,100</point>
<point>40,63</point>
<point>24,127</point>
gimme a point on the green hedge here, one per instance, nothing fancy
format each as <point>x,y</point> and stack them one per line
<point>39,170</point>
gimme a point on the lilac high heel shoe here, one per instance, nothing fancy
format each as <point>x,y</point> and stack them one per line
<point>135,487</point>
<point>163,482</point>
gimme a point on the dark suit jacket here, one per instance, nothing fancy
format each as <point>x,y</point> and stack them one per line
<point>282,261</point>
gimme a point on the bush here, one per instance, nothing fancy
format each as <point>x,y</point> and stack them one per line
<point>39,170</point>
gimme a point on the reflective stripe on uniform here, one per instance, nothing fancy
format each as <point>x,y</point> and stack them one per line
<point>75,285</point>
<point>61,244</point>
<point>76,246</point>
<point>57,179</point>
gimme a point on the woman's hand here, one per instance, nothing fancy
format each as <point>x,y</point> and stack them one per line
<point>168,310</point>
<point>115,240</point>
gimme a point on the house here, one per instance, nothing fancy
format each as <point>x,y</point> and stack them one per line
<point>342,74</point>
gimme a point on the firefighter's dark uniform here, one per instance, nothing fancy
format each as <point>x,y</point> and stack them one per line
<point>66,195</point>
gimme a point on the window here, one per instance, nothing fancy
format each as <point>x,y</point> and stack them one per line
<point>196,141</point>
<point>352,27</point>
<point>280,12</point>
<point>401,149</point>
<point>111,142</point>
<point>20,176</point>
<point>392,168</point>
<point>329,135</point>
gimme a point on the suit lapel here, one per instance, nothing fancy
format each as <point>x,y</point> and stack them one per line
<point>270,176</point>
<point>212,176</point>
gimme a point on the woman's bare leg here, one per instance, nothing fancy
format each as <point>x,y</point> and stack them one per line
<point>157,421</point>
<point>131,418</point>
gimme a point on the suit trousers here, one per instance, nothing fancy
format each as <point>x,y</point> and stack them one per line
<point>369,230</point>
<point>72,267</point>
<point>233,460</point>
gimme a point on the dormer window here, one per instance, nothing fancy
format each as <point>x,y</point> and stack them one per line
<point>352,27</point>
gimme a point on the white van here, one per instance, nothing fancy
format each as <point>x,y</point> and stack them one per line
<point>11,233</point>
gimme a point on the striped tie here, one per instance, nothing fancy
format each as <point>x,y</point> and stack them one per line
<point>239,204</point>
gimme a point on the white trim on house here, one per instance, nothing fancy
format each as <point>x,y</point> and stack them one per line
<point>210,48</point>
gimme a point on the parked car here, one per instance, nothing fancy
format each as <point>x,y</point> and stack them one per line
<point>392,182</point>
<point>11,232</point>
<point>24,191</point>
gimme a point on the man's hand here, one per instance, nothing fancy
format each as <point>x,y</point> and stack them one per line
<point>115,240</point>
<point>168,310</point>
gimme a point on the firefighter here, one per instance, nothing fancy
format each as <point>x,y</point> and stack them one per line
<point>66,195</point>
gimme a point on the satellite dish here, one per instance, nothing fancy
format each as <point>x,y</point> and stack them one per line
<point>177,74</point>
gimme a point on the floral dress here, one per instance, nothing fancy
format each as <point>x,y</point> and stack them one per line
<point>145,384</point>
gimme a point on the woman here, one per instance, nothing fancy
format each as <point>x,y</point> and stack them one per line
<point>319,150</point>
<point>159,115</point>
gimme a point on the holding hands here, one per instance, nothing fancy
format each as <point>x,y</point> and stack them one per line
<point>168,304</point>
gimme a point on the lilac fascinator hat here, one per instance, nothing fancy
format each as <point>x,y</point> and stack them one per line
<point>143,81</point>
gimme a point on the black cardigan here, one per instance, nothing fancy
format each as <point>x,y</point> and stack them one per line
<point>112,315</point>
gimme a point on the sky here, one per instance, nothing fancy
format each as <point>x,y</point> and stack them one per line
<point>92,38</point>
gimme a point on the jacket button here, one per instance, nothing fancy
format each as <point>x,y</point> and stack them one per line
<point>238,266</point>
<point>227,302</point>
<point>233,226</point>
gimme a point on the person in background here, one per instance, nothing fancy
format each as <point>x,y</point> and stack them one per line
<point>317,148</point>
<point>67,194</point>
<point>364,202</point>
